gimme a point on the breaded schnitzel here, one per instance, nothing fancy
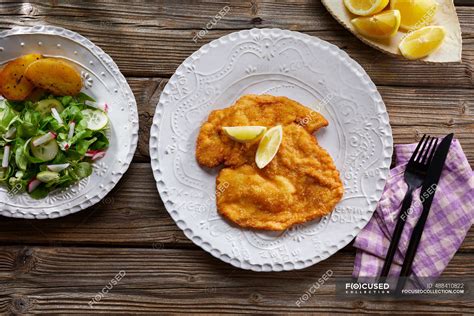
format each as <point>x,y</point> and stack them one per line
<point>300,184</point>
<point>215,147</point>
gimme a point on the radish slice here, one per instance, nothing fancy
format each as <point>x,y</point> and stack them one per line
<point>64,146</point>
<point>44,139</point>
<point>6,156</point>
<point>98,155</point>
<point>58,168</point>
<point>95,154</point>
<point>33,184</point>
<point>56,116</point>
<point>10,133</point>
<point>90,153</point>
<point>72,126</point>
<point>101,106</point>
<point>90,103</point>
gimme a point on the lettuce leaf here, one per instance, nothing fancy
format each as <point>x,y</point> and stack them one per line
<point>7,114</point>
<point>20,122</point>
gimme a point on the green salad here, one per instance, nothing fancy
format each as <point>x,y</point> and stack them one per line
<point>50,143</point>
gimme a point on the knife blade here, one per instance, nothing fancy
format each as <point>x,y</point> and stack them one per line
<point>427,194</point>
<point>434,173</point>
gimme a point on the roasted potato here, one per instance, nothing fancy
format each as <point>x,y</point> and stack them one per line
<point>55,75</point>
<point>36,95</point>
<point>13,84</point>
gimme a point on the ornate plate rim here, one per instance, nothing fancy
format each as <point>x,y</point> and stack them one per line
<point>11,211</point>
<point>181,223</point>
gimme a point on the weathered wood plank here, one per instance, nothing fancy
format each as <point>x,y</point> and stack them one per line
<point>463,2</point>
<point>413,111</point>
<point>147,94</point>
<point>153,39</point>
<point>60,280</point>
<point>302,15</point>
<point>132,215</point>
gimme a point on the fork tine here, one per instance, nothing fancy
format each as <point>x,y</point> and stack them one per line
<point>415,153</point>
<point>424,160</point>
<point>423,147</point>
<point>433,150</point>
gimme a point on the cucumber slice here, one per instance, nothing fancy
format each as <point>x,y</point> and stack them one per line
<point>45,106</point>
<point>4,173</point>
<point>47,176</point>
<point>46,151</point>
<point>95,119</point>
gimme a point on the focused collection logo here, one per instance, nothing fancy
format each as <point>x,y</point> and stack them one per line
<point>367,288</point>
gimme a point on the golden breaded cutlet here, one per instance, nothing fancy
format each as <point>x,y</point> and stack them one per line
<point>215,147</point>
<point>300,184</point>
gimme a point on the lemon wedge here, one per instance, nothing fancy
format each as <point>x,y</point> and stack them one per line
<point>245,134</point>
<point>268,147</point>
<point>422,42</point>
<point>365,7</point>
<point>382,25</point>
<point>415,13</point>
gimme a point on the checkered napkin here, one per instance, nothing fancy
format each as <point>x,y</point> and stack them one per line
<point>449,220</point>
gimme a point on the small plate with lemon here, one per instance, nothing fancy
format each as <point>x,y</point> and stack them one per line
<point>426,30</point>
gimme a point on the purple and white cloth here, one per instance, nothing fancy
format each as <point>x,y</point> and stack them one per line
<point>449,220</point>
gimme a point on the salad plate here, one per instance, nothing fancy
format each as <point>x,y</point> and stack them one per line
<point>281,63</point>
<point>101,80</point>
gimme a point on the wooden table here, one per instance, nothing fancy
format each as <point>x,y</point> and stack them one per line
<point>58,266</point>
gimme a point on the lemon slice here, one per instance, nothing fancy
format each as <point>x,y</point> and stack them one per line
<point>422,42</point>
<point>415,13</point>
<point>365,7</point>
<point>382,25</point>
<point>268,146</point>
<point>245,134</point>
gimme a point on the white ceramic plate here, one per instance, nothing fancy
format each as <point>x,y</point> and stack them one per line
<point>104,82</point>
<point>276,62</point>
